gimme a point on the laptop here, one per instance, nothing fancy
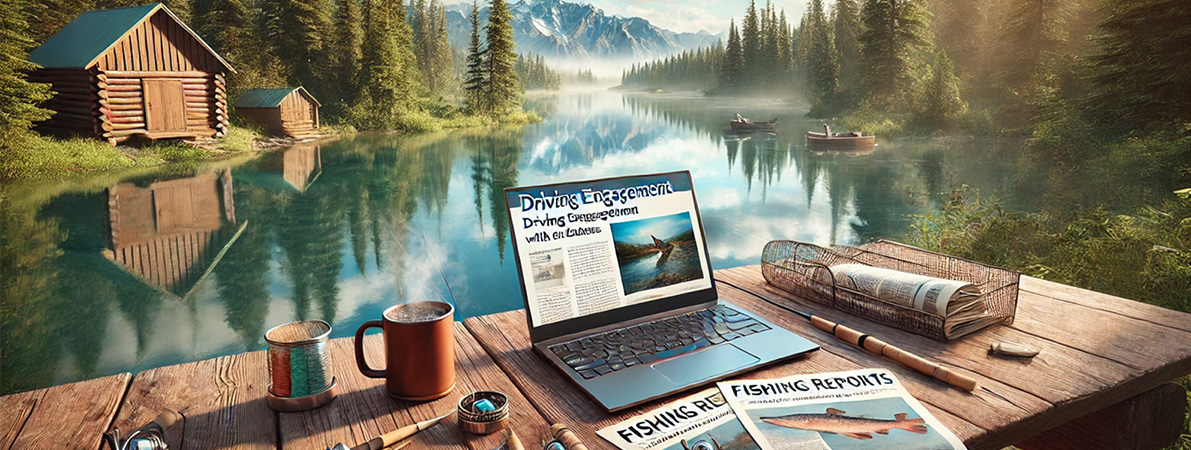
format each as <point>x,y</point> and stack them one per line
<point>619,293</point>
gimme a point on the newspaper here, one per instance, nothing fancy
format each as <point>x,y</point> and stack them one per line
<point>702,421</point>
<point>589,247</point>
<point>859,409</point>
<point>959,303</point>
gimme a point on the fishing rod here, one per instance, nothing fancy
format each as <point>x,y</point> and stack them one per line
<point>876,346</point>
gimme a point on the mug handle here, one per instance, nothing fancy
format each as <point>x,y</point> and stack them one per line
<point>360,362</point>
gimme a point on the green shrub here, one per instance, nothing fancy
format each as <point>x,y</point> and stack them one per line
<point>418,121</point>
<point>874,123</point>
<point>1144,256</point>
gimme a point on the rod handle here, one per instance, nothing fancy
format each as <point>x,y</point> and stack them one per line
<point>879,347</point>
<point>566,437</point>
<point>512,442</point>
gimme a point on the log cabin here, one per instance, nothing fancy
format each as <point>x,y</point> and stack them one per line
<point>289,112</point>
<point>132,72</point>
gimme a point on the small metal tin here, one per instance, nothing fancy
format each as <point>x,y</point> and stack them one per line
<point>300,376</point>
<point>474,421</point>
<point>287,404</point>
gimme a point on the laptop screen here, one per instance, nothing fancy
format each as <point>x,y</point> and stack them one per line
<point>586,248</point>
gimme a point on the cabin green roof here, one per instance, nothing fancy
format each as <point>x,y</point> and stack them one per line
<point>93,33</point>
<point>268,98</point>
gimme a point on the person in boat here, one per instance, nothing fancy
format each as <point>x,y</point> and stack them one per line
<point>827,133</point>
<point>741,119</point>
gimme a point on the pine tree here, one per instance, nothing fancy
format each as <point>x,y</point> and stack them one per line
<point>503,91</point>
<point>846,39</point>
<point>346,54</point>
<point>439,60</point>
<point>1142,65</point>
<point>180,8</point>
<point>476,76</point>
<point>51,15</point>
<point>750,41</point>
<point>303,33</point>
<point>382,69</point>
<point>226,25</point>
<point>795,40</point>
<point>963,30</point>
<point>822,67</point>
<point>732,69</point>
<point>893,42</point>
<point>420,24</point>
<point>941,104</point>
<point>403,34</point>
<point>768,27</point>
<point>1033,42</point>
<point>785,48</point>
<point>18,96</point>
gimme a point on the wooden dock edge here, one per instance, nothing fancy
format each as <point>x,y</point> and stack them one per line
<point>1153,419</point>
<point>72,415</point>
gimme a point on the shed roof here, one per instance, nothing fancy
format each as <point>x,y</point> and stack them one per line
<point>88,37</point>
<point>269,98</point>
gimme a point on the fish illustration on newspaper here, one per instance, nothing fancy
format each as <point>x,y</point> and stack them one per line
<point>836,422</point>
<point>860,409</point>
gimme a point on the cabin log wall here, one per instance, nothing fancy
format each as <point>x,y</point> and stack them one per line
<point>122,104</point>
<point>74,102</point>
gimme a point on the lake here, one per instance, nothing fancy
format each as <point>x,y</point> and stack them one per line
<point>123,273</point>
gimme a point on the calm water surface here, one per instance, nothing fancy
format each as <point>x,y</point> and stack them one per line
<point>108,275</point>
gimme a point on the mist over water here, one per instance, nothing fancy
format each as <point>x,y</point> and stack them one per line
<point>187,263</point>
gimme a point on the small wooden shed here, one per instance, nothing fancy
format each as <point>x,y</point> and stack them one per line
<point>138,71</point>
<point>289,112</point>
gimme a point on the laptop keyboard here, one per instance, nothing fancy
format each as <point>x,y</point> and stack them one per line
<point>599,354</point>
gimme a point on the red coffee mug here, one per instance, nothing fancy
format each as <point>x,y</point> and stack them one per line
<point>419,342</point>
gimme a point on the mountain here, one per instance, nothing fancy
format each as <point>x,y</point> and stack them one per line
<point>558,29</point>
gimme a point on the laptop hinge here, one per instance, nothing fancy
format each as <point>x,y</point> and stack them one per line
<point>626,323</point>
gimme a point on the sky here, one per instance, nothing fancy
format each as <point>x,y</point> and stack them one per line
<point>686,15</point>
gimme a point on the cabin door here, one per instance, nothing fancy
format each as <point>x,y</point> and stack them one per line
<point>165,105</point>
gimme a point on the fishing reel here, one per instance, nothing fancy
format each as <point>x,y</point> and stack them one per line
<point>703,444</point>
<point>148,437</point>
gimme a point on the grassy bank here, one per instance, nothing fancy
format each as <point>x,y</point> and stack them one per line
<point>43,157</point>
<point>50,157</point>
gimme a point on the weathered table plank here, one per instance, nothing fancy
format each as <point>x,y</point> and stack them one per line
<point>505,337</point>
<point>222,401</point>
<point>1114,356</point>
<point>1096,300</point>
<point>70,416</point>
<point>364,410</point>
<point>1073,376</point>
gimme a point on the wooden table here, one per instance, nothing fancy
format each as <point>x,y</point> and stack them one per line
<point>223,401</point>
<point>1101,381</point>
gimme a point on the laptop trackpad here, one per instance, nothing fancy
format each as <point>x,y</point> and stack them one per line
<point>704,365</point>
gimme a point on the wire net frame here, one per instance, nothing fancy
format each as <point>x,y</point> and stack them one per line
<point>804,270</point>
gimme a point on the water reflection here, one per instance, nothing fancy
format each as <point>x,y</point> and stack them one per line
<point>169,233</point>
<point>193,263</point>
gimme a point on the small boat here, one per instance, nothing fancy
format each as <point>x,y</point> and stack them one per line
<point>854,141</point>
<point>743,125</point>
